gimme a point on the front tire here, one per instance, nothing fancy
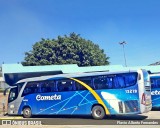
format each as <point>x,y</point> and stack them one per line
<point>98,112</point>
<point>27,113</point>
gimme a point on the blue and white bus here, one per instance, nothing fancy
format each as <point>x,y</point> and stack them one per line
<point>95,93</point>
<point>155,90</point>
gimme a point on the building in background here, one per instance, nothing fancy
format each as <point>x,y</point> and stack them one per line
<point>3,85</point>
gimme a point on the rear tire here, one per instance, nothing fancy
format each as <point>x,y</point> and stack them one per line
<point>27,113</point>
<point>98,112</point>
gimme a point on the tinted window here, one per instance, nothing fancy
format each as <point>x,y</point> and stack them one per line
<point>65,85</point>
<point>125,80</point>
<point>100,82</point>
<point>115,81</point>
<point>109,82</point>
<point>53,86</point>
<point>155,83</point>
<point>86,80</point>
<point>131,79</point>
<point>47,86</point>
<point>13,94</point>
<point>31,87</point>
<point>118,82</point>
<point>40,87</point>
<point>19,85</point>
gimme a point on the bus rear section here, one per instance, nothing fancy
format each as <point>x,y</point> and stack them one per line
<point>144,91</point>
<point>130,93</point>
<point>155,90</point>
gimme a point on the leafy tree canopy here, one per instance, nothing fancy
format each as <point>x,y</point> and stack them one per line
<point>71,49</point>
<point>156,63</point>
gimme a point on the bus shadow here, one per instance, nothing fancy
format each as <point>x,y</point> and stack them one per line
<point>155,109</point>
<point>112,117</point>
<point>63,116</point>
<point>126,117</point>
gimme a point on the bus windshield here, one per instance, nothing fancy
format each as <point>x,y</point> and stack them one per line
<point>13,94</point>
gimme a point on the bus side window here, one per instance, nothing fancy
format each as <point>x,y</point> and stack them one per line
<point>130,79</point>
<point>158,83</point>
<point>115,83</point>
<point>154,83</point>
<point>30,88</point>
<point>65,85</point>
<point>79,86</point>
<point>96,82</point>
<point>43,87</point>
<point>100,82</point>
<point>109,82</point>
<point>47,86</point>
<point>60,86</point>
<point>53,86</point>
<point>121,81</point>
<point>86,80</point>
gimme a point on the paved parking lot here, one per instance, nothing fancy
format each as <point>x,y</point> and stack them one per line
<point>154,114</point>
<point>71,122</point>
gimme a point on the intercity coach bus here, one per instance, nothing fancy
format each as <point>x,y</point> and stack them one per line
<point>91,93</point>
<point>155,90</point>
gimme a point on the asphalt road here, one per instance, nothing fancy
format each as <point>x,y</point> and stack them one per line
<point>109,120</point>
<point>87,120</point>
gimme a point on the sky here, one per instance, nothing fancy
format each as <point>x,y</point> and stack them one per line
<point>105,22</point>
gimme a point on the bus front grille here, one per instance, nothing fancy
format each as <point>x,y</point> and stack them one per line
<point>147,88</point>
<point>131,106</point>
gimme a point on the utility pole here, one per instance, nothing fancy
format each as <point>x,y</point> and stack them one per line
<point>123,43</point>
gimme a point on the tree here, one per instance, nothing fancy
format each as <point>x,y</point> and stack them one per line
<point>156,63</point>
<point>71,49</point>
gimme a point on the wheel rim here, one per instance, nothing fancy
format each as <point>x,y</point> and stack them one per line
<point>98,112</point>
<point>27,112</point>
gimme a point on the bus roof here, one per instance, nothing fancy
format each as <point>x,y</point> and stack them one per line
<point>15,72</point>
<point>155,74</point>
<point>73,75</point>
<point>12,73</point>
<point>152,69</point>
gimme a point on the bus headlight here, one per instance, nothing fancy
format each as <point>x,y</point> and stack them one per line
<point>12,106</point>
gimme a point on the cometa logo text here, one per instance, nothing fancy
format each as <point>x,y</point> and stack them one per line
<point>156,92</point>
<point>53,97</point>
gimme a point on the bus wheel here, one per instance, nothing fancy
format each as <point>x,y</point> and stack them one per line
<point>27,112</point>
<point>98,112</point>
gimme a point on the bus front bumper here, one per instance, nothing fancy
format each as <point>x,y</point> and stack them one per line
<point>12,111</point>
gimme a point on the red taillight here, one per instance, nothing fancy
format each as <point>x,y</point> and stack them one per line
<point>143,101</point>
